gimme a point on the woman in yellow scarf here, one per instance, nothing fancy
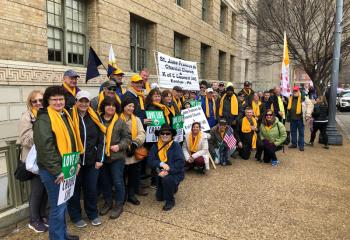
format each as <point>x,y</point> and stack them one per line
<point>247,134</point>
<point>132,165</point>
<point>171,109</point>
<point>195,149</point>
<point>118,139</point>
<point>54,136</point>
<point>167,159</point>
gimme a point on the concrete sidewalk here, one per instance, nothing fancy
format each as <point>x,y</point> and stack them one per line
<point>306,197</point>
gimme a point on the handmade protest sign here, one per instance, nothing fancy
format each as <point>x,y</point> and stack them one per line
<point>194,114</point>
<point>178,123</point>
<point>195,103</point>
<point>177,72</point>
<point>157,121</point>
<point>69,168</point>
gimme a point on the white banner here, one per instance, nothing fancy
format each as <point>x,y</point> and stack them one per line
<point>177,72</point>
<point>66,190</point>
<point>194,114</point>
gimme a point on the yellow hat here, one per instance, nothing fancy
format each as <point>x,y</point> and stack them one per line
<point>118,71</point>
<point>229,84</point>
<point>136,78</point>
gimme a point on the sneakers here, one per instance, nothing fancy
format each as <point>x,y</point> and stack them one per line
<point>96,222</point>
<point>105,209</point>
<point>274,162</point>
<point>116,211</point>
<point>80,224</point>
<point>37,226</point>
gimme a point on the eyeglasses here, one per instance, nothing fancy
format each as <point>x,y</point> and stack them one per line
<point>112,89</point>
<point>37,101</point>
<point>56,99</point>
<point>165,133</point>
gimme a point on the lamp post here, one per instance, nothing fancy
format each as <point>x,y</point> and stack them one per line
<point>334,138</point>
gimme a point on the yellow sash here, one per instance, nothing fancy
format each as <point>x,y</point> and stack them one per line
<point>133,125</point>
<point>140,96</point>
<point>73,91</point>
<point>94,117</point>
<point>60,129</point>
<point>207,111</point>
<point>148,87</point>
<point>193,145</point>
<point>246,129</point>
<point>256,108</point>
<point>298,110</point>
<point>247,93</point>
<point>234,105</point>
<point>109,134</point>
<point>177,101</point>
<point>34,112</point>
<point>162,153</point>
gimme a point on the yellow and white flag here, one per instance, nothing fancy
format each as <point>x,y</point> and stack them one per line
<point>285,81</point>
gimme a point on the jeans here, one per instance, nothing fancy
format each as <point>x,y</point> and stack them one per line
<point>113,174</point>
<point>166,188</point>
<point>37,199</point>
<point>57,221</point>
<point>86,180</point>
<point>132,175</point>
<point>297,125</point>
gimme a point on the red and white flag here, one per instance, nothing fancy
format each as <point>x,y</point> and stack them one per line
<point>285,81</point>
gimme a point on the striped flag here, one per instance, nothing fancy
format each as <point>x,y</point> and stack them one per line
<point>285,83</point>
<point>229,138</point>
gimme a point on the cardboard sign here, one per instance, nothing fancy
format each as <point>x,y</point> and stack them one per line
<point>194,114</point>
<point>178,123</point>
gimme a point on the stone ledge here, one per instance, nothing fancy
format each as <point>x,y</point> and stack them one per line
<point>13,218</point>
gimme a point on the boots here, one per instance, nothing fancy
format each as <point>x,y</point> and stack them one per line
<point>116,211</point>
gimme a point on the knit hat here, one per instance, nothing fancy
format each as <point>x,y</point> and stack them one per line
<point>126,101</point>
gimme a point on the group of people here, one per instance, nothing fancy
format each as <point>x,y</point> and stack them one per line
<point>109,133</point>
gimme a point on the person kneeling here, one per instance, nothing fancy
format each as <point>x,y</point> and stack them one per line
<point>272,134</point>
<point>167,158</point>
<point>195,148</point>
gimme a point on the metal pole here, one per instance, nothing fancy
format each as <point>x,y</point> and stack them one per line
<point>334,138</point>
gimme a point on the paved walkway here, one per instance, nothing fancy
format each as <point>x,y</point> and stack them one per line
<point>306,197</point>
<point>343,119</point>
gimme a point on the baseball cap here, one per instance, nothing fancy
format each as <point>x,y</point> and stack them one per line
<point>70,73</point>
<point>210,90</point>
<point>83,94</point>
<point>246,83</point>
<point>296,88</point>
<point>109,84</point>
<point>222,121</point>
<point>221,84</point>
<point>136,78</point>
<point>118,71</point>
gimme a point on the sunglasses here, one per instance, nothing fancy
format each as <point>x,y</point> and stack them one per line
<point>165,133</point>
<point>112,89</point>
<point>37,101</point>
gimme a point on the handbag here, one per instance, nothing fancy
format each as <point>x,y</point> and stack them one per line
<point>141,153</point>
<point>21,173</point>
<point>31,164</point>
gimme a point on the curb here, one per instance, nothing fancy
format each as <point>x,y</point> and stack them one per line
<point>342,127</point>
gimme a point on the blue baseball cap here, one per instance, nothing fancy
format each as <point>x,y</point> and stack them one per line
<point>70,73</point>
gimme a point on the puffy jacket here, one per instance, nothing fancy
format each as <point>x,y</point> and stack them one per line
<point>276,135</point>
<point>320,113</point>
<point>25,130</point>
<point>48,155</point>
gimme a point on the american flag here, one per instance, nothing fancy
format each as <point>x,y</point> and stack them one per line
<point>229,139</point>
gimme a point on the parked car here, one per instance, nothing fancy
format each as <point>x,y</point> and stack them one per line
<point>344,101</point>
<point>340,94</point>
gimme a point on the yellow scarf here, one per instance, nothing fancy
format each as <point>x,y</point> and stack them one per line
<point>94,117</point>
<point>256,108</point>
<point>298,110</point>
<point>207,112</point>
<point>178,103</point>
<point>101,97</point>
<point>162,153</point>
<point>234,105</point>
<point>171,109</point>
<point>165,111</point>
<point>193,145</point>
<point>73,91</point>
<point>109,134</point>
<point>247,93</point>
<point>246,129</point>
<point>133,125</point>
<point>34,112</point>
<point>268,128</point>
<point>148,87</point>
<point>61,132</point>
<point>140,96</point>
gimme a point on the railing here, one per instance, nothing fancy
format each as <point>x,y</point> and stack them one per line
<point>13,193</point>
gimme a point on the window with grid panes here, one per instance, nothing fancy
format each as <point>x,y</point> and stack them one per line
<point>205,10</point>
<point>138,44</point>
<point>66,31</point>
<point>203,59</point>
<point>178,47</point>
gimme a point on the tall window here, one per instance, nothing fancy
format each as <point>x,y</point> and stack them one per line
<point>179,2</point>
<point>138,43</point>
<point>223,17</point>
<point>66,20</point>
<point>222,66</point>
<point>180,45</point>
<point>204,60</point>
<point>248,31</point>
<point>232,68</point>
<point>205,9</point>
<point>233,25</point>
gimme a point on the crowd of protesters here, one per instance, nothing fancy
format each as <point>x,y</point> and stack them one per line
<point>115,161</point>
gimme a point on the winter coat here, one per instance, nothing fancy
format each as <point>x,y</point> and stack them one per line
<point>226,111</point>
<point>202,147</point>
<point>70,99</point>
<point>320,113</point>
<point>176,160</point>
<point>212,118</point>
<point>308,107</point>
<point>276,135</point>
<point>25,130</point>
<point>48,155</point>
<point>139,140</point>
<point>215,139</point>
<point>247,98</point>
<point>120,136</point>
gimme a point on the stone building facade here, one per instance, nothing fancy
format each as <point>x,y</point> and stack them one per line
<point>40,39</point>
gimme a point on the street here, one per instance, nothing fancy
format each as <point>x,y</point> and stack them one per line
<point>343,119</point>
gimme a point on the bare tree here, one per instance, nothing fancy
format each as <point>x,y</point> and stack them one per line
<point>309,25</point>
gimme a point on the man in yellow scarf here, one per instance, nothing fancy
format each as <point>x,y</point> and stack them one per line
<point>295,117</point>
<point>247,92</point>
<point>230,106</point>
<point>177,92</point>
<point>144,73</point>
<point>209,107</point>
<point>70,80</point>
<point>247,129</point>
<point>117,77</point>
<point>108,89</point>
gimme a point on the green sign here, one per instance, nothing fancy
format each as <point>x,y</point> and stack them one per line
<point>70,164</point>
<point>157,118</point>
<point>178,122</point>
<point>195,103</point>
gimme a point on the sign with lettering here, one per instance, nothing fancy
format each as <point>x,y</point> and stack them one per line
<point>194,114</point>
<point>69,169</point>
<point>177,72</point>
<point>178,125</point>
<point>157,121</point>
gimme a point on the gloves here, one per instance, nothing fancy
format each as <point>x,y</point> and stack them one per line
<point>131,150</point>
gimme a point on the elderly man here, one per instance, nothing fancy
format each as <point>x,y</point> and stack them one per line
<point>117,77</point>
<point>221,89</point>
<point>215,86</point>
<point>209,107</point>
<point>144,73</point>
<point>108,89</point>
<point>70,80</point>
<point>279,104</point>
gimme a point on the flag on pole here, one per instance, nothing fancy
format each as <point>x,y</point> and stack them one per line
<point>285,81</point>
<point>92,65</point>
<point>230,139</point>
<point>112,63</point>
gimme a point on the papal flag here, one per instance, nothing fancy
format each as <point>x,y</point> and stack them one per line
<point>285,81</point>
<point>112,64</point>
